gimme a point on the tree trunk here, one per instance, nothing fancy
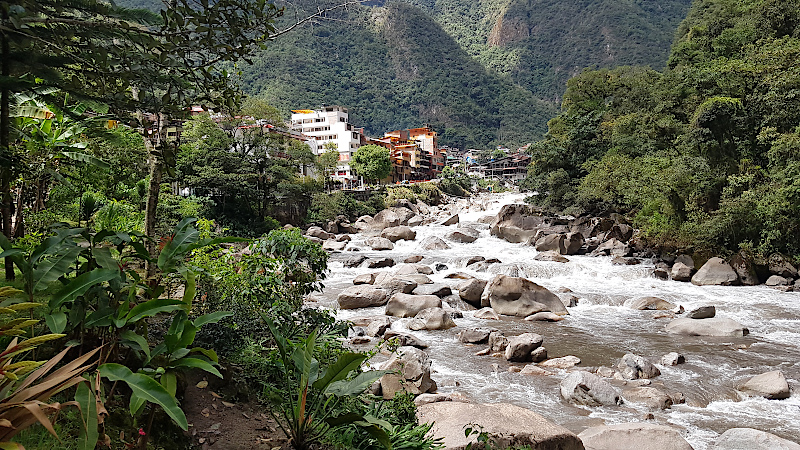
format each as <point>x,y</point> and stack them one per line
<point>6,171</point>
<point>153,188</point>
<point>19,220</point>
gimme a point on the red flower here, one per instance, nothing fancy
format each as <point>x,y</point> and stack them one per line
<point>141,432</point>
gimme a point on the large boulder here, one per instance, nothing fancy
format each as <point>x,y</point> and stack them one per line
<point>621,232</point>
<point>433,243</point>
<point>651,397</point>
<point>486,314</point>
<point>633,436</point>
<point>378,326</point>
<point>475,335</point>
<point>751,439</point>
<point>551,242</point>
<point>411,373</point>
<point>354,261</point>
<point>333,246</point>
<point>393,284</point>
<point>743,264</point>
<point>385,219</point>
<point>471,291</point>
<point>463,235</point>
<point>406,305</point>
<point>507,425</point>
<point>573,243</point>
<point>379,263</point>
<point>584,388</point>
<point>520,347</point>
<point>395,234</point>
<point>702,312</point>
<point>403,214</point>
<point>513,296</point>
<point>771,385</point>
<point>413,268</point>
<point>362,296</point>
<point>779,265</point>
<point>634,367</point>
<point>379,243</point>
<point>452,220</point>
<point>365,278</point>
<point>649,303</point>
<point>716,272</point>
<point>432,319</point>
<point>319,233</point>
<point>612,247</point>
<point>519,223</point>
<point>437,289</point>
<point>681,272</point>
<point>405,339</point>
<point>715,326</point>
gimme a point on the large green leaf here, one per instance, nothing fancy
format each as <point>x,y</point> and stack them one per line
<point>357,385</point>
<point>197,363</point>
<point>135,404</point>
<point>152,307</point>
<point>185,235</point>
<point>138,339</point>
<point>211,318</point>
<point>346,363</point>
<point>88,159</point>
<point>88,407</point>
<point>79,285</point>
<point>146,388</point>
<point>190,290</point>
<point>52,268</point>
<point>56,322</point>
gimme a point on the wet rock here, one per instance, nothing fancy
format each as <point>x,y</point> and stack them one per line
<point>362,296</point>
<point>433,243</point>
<point>452,220</point>
<point>544,316</point>
<point>333,246</point>
<point>539,355</point>
<point>486,219</point>
<point>715,326</point>
<point>403,214</point>
<point>661,273</point>
<point>703,312</point>
<point>475,335</point>
<point>681,272</point>
<point>742,264</point>
<point>551,242</point>
<point>379,243</point>
<point>715,272</point>
<point>486,313</point>
<point>471,291</point>
<point>406,305</point>
<point>779,265</point>
<point>649,303</point>
<point>407,269</point>
<point>751,439</point>
<point>774,280</point>
<point>771,385</point>
<point>565,362</point>
<point>519,348</point>
<point>378,263</point>
<point>672,359</point>
<point>360,340</point>
<point>432,319</point>
<point>633,436</point>
<point>405,339</point>
<point>633,367</point>
<point>354,261</point>
<point>512,426</point>
<point>497,342</point>
<point>463,235</point>
<point>573,243</point>
<point>533,369</point>
<point>473,260</point>
<point>569,301</point>
<point>418,278</point>
<point>385,219</point>
<point>437,289</point>
<point>621,232</point>
<point>411,373</point>
<point>343,238</point>
<point>519,223</point>
<point>520,297</point>
<point>550,255</point>
<point>395,234</point>
<point>364,278</point>
<point>416,221</point>
<point>612,247</point>
<point>424,399</point>
<point>652,397</point>
<point>393,285</point>
<point>318,233</point>
<point>413,259</point>
<point>458,275</point>
<point>584,388</point>
<point>440,267</point>
<point>625,261</point>
<point>378,326</point>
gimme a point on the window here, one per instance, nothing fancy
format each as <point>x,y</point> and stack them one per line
<point>342,119</point>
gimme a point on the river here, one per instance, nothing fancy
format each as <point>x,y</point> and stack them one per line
<point>600,330</point>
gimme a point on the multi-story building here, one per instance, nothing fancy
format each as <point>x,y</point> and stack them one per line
<point>329,124</point>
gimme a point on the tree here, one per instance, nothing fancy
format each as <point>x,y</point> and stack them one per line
<point>372,162</point>
<point>327,162</point>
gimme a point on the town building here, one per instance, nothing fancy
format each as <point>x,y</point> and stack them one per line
<point>415,154</point>
<point>330,125</point>
<point>512,168</point>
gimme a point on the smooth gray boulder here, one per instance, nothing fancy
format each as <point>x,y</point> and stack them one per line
<point>432,319</point>
<point>716,272</point>
<point>334,246</point>
<point>319,233</point>
<point>584,388</point>
<point>433,243</point>
<point>703,312</point>
<point>520,347</point>
<point>394,284</point>
<point>774,280</point>
<point>354,261</point>
<point>378,326</point>
<point>405,339</point>
<point>379,243</point>
<point>681,272</point>
<point>362,296</point>
<point>634,367</point>
<point>551,242</point>
<point>544,316</point>
<point>672,359</point>
<point>649,303</point>
<point>463,235</point>
<point>508,425</point>
<point>413,259</point>
<point>751,439</point>
<point>384,219</point>
<point>408,269</point>
<point>437,289</point>
<point>471,291</point>
<point>550,255</point>
<point>395,234</point>
<point>364,278</point>
<point>452,220</point>
<point>513,296</point>
<point>486,314</point>
<point>771,385</point>
<point>715,326</point>
<point>497,342</point>
<point>633,436</point>
<point>651,397</point>
<point>410,372</point>
<point>475,335</point>
<point>407,305</point>
<point>564,362</point>
<point>573,243</point>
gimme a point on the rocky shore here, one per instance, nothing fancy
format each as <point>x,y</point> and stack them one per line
<point>400,299</point>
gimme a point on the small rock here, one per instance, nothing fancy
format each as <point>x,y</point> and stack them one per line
<point>652,397</point>
<point>380,263</point>
<point>633,367</point>
<point>649,303</point>
<point>672,359</point>
<point>533,369</point>
<point>364,278</point>
<point>433,243</point>
<point>413,259</point>
<point>703,312</point>
<point>544,316</point>
<point>475,335</point>
<point>770,385</point>
<point>564,362</point>
<point>378,326</point>
<point>354,261</point>
<point>520,347</point>
<point>486,313</point>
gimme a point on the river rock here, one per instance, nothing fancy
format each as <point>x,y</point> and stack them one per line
<point>519,223</point>
<point>633,436</point>
<point>703,312</point>
<point>612,247</point>
<point>508,425</point>
<point>771,385</point>
<point>437,289</point>
<point>379,243</point>
<point>774,280</point>
<point>418,278</point>
<point>520,297</point>
<point>452,220</point>
<point>565,362</point>
<point>716,326</point>
<point>633,367</point>
<point>520,347</point>
<point>416,221</point>
<point>385,219</point>
<point>406,305</point>
<point>621,232</point>
<point>395,234</point>
<point>779,265</point>
<point>486,313</point>
<point>405,339</point>
<point>404,214</point>
<point>433,243</point>
<point>650,396</point>
<point>544,316</point>
<point>584,388</point>
<point>672,359</point>
<point>354,261</point>
<point>364,278</point>
<point>458,275</point>
<point>681,272</point>
<point>378,326</point>
<point>649,303</point>
<point>378,263</point>
<point>318,233</point>
<point>751,439</point>
<point>333,246</point>
<point>475,335</point>
<point>550,255</point>
<point>715,272</point>
<point>471,291</point>
<point>742,263</point>
<point>431,319</point>
<point>413,259</point>
<point>362,296</point>
<point>497,342</point>
<point>411,373</point>
<point>573,242</point>
<point>393,284</point>
<point>407,269</point>
<point>533,369</point>
<point>551,242</point>
<point>463,235</point>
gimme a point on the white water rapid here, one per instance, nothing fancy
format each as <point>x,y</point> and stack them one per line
<point>600,330</point>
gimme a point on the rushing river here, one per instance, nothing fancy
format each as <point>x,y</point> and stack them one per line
<point>601,329</point>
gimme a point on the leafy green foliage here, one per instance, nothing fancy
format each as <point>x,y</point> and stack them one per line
<point>372,162</point>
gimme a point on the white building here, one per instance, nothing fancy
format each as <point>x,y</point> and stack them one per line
<point>330,124</point>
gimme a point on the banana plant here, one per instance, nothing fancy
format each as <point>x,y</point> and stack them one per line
<point>307,416</point>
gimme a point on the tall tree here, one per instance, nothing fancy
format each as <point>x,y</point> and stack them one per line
<point>372,162</point>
